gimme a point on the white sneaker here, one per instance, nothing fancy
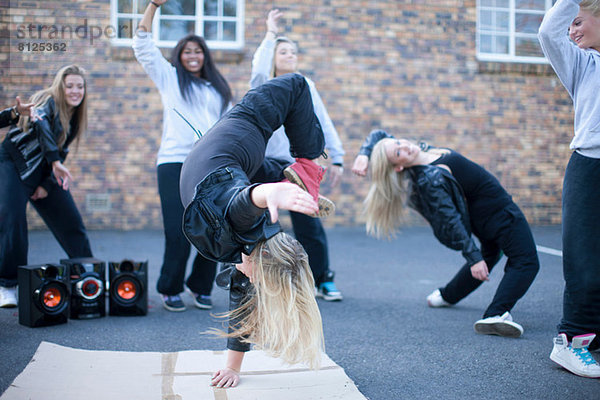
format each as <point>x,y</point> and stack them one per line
<point>8,296</point>
<point>436,300</point>
<point>575,357</point>
<point>499,325</point>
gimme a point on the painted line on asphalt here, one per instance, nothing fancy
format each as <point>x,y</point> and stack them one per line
<point>548,250</point>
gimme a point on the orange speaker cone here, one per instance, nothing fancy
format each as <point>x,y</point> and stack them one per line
<point>127,290</point>
<point>52,297</point>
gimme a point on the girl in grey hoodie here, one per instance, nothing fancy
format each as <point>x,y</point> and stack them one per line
<point>570,39</point>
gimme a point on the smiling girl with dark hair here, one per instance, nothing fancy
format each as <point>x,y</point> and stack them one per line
<point>193,93</point>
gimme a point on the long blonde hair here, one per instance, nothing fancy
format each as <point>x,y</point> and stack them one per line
<point>591,6</point>
<point>386,202</point>
<point>281,316</point>
<point>57,92</point>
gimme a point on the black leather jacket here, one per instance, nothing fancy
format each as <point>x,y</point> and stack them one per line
<point>6,118</point>
<point>240,289</point>
<point>222,222</point>
<point>34,150</point>
<point>439,198</point>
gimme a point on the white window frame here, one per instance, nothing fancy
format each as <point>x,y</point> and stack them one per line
<point>199,20</point>
<point>512,36</point>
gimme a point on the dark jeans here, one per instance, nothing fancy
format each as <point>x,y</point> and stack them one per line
<point>177,247</point>
<point>511,235</point>
<point>239,139</point>
<point>308,231</point>
<point>581,247</point>
<point>58,210</point>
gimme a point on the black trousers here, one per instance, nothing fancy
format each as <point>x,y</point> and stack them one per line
<point>308,231</point>
<point>581,248</point>
<point>58,210</point>
<point>177,247</point>
<point>508,232</point>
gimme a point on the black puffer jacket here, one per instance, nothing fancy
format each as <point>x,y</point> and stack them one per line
<point>439,198</point>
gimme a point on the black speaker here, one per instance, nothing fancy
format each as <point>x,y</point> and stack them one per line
<point>128,288</point>
<point>88,284</point>
<point>43,294</point>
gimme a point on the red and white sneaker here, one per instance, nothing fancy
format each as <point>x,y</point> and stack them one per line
<point>308,175</point>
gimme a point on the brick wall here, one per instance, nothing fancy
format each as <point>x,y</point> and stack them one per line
<point>403,66</point>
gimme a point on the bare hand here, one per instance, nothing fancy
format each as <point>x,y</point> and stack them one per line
<point>225,378</point>
<point>160,2</point>
<point>40,193</point>
<point>24,109</point>
<point>361,165</point>
<point>284,195</point>
<point>335,173</point>
<point>272,20</point>
<point>480,271</point>
<point>62,174</point>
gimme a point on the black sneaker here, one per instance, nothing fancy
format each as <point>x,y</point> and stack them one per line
<point>173,303</point>
<point>201,301</point>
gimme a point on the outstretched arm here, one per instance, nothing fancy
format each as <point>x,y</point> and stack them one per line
<point>361,162</point>
<point>262,61</point>
<point>146,22</point>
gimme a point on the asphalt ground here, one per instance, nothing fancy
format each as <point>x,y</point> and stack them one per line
<point>383,334</point>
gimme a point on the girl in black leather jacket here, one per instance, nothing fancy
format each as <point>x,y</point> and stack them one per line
<point>458,198</point>
<point>230,220</point>
<point>31,169</point>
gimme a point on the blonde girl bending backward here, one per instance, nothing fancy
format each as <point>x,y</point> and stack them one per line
<point>459,199</point>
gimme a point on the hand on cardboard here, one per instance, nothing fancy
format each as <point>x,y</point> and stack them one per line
<point>224,378</point>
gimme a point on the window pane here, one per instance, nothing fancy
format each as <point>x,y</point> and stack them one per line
<point>141,6</point>
<point>179,7</point>
<point>211,7</point>
<point>125,6</point>
<point>485,20</point>
<point>501,21</point>
<point>210,30</point>
<point>527,23</point>
<point>528,47</point>
<point>485,44</point>
<point>229,31</point>
<point>175,30</point>
<point>501,45</point>
<point>531,4</point>
<point>229,8</point>
<point>495,3</point>
<point>126,27</point>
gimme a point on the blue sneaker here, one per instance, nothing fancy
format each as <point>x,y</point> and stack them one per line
<point>173,303</point>
<point>329,292</point>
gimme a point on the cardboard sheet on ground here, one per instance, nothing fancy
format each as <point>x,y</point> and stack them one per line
<point>68,374</point>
